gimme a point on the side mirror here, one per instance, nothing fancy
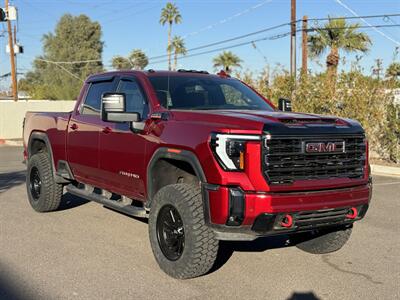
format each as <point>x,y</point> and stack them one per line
<point>284,104</point>
<point>113,109</point>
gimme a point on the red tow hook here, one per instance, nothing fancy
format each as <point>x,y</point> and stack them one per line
<point>353,213</point>
<point>287,221</point>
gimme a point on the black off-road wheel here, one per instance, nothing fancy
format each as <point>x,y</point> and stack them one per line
<point>43,192</point>
<point>184,247</point>
<point>325,241</point>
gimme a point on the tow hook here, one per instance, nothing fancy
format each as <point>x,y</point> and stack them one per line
<point>352,214</point>
<point>287,221</point>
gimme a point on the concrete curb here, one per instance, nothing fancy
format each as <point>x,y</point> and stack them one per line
<point>385,170</point>
<point>11,142</point>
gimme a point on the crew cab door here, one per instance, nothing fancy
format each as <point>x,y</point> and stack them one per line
<point>83,132</point>
<point>122,149</point>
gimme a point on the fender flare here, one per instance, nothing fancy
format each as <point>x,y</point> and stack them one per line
<point>182,155</point>
<point>42,136</point>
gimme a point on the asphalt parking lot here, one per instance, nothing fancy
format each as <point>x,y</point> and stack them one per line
<point>84,251</point>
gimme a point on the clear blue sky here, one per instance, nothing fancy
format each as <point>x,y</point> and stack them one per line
<point>135,24</point>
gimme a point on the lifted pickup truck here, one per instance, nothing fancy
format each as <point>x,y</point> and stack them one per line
<point>205,158</point>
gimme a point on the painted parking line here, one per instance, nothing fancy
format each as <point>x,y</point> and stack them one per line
<point>386,183</point>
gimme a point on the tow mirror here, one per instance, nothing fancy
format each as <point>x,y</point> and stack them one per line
<point>284,104</point>
<point>113,109</point>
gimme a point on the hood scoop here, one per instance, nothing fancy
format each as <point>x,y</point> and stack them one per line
<point>311,121</point>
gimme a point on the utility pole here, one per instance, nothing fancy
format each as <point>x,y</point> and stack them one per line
<point>293,39</point>
<point>12,57</point>
<point>378,69</point>
<point>304,48</point>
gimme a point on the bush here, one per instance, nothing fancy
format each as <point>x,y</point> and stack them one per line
<point>367,100</point>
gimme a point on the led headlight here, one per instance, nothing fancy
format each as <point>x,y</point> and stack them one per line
<point>229,149</point>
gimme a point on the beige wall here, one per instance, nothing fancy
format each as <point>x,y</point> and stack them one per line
<point>12,114</point>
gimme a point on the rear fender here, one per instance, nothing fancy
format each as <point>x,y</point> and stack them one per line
<point>41,136</point>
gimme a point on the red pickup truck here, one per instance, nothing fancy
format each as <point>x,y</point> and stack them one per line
<point>205,158</point>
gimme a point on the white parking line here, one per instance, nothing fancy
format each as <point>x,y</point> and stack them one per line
<point>386,183</point>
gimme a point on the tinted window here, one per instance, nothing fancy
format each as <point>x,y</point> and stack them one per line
<point>206,92</point>
<point>234,96</point>
<point>92,102</point>
<point>135,101</point>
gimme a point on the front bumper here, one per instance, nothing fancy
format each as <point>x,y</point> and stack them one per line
<point>263,214</point>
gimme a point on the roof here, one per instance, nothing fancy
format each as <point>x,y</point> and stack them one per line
<point>149,73</point>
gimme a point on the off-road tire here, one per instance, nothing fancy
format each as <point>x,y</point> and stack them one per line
<point>200,245</point>
<point>324,241</point>
<point>51,192</point>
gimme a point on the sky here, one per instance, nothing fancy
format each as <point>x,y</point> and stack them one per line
<point>127,25</point>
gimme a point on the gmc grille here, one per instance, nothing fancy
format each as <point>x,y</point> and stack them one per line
<point>285,159</point>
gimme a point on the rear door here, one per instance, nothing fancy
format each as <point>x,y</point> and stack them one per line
<point>122,149</point>
<point>83,132</point>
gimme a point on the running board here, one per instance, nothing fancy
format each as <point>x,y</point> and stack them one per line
<point>113,204</point>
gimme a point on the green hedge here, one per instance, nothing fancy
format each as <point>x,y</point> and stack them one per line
<point>367,100</point>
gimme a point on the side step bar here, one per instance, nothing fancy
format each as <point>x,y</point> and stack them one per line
<point>113,204</point>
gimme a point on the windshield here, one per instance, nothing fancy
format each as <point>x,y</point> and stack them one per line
<point>200,93</point>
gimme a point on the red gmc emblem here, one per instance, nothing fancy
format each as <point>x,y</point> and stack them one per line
<point>321,147</point>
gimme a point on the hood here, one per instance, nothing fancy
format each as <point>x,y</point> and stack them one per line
<point>274,122</point>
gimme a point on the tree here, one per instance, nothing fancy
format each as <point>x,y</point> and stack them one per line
<point>227,60</point>
<point>393,70</point>
<point>337,35</point>
<point>121,63</point>
<point>178,47</point>
<point>138,59</point>
<point>76,38</point>
<point>170,14</point>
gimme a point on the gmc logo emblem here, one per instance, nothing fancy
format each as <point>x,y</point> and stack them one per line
<point>324,147</point>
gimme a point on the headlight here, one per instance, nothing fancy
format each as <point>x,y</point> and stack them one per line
<point>229,149</point>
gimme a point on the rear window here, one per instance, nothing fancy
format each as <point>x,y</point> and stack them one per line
<point>208,92</point>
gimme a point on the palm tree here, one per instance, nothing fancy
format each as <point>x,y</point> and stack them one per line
<point>121,63</point>
<point>178,47</point>
<point>337,35</point>
<point>393,70</point>
<point>170,14</point>
<point>227,60</point>
<point>138,59</point>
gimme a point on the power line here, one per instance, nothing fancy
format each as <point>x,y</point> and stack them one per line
<point>117,19</point>
<point>223,21</point>
<point>70,62</point>
<point>273,37</point>
<point>355,17</point>
<point>366,22</point>
<point>269,29</point>
<point>230,39</point>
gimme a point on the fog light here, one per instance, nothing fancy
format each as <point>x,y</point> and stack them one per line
<point>236,207</point>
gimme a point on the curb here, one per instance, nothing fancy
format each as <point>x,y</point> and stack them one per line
<point>11,142</point>
<point>385,170</point>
